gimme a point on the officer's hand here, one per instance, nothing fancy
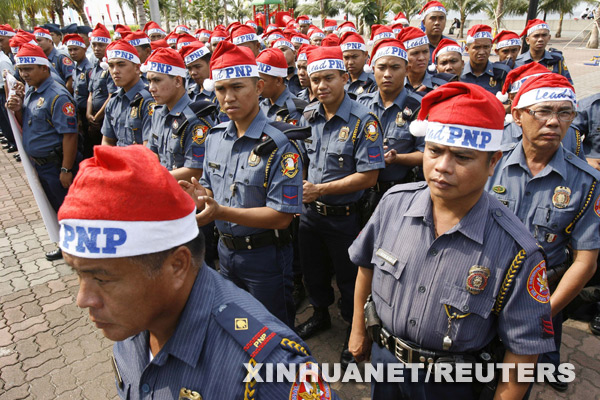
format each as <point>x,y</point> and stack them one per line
<point>90,118</point>
<point>196,190</point>
<point>210,211</point>
<point>14,103</point>
<point>421,88</point>
<point>66,178</point>
<point>390,156</point>
<point>360,345</point>
<point>594,162</point>
<point>310,192</point>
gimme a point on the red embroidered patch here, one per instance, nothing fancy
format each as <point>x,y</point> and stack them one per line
<point>309,384</point>
<point>69,109</point>
<point>67,61</point>
<point>537,283</point>
<point>597,206</point>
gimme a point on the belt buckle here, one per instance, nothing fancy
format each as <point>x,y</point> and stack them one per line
<point>399,349</point>
<point>227,241</point>
<point>321,208</point>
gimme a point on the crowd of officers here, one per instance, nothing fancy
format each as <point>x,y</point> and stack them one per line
<point>289,139</point>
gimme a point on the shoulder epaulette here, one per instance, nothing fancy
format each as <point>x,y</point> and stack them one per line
<point>511,225</point>
<point>407,187</point>
<point>412,105</point>
<point>353,96</point>
<point>254,337</point>
<point>292,132</point>
<point>310,111</point>
<point>441,78</point>
<point>300,104</point>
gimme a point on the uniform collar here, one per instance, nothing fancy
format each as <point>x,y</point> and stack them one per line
<point>193,323</point>
<point>398,101</point>
<point>180,106</point>
<point>343,111</point>
<point>286,94</point>
<point>470,225</point>
<point>45,85</point>
<point>81,65</point>
<point>363,77</point>
<point>547,55</point>
<point>557,162</point>
<point>489,69</point>
<point>133,91</point>
<point>256,128</point>
<point>53,54</point>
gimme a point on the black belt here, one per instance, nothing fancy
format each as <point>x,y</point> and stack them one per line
<point>52,158</point>
<point>326,209</point>
<point>382,187</point>
<point>276,237</point>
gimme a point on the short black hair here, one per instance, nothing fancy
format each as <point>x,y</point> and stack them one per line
<point>153,262</point>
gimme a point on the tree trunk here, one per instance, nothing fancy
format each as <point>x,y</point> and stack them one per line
<point>60,12</point>
<point>322,8</point>
<point>21,20</point>
<point>141,13</point>
<point>560,21</point>
<point>123,13</point>
<point>225,15</point>
<point>498,15</point>
<point>463,18</point>
<point>593,42</point>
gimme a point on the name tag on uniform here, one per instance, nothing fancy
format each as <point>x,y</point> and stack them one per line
<point>214,165</point>
<point>387,257</point>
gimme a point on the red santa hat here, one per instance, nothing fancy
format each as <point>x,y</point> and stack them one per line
<point>329,25</point>
<point>171,38</point>
<point>120,31</point>
<point>325,58</point>
<point>304,20</point>
<point>20,39</point>
<point>100,34</point>
<point>232,26</point>
<point>123,50</point>
<point>272,62</point>
<point>461,115</point>
<point>271,27</point>
<point>397,28</point>
<point>31,54</point>
<point>479,31</point>
<point>152,27</point>
<point>413,37</point>
<point>137,38</point>
<point>281,43</point>
<point>202,33</point>
<point>74,39</point>
<point>379,32</point>
<point>347,26</point>
<point>515,78</point>
<point>243,34</point>
<point>444,46</point>
<point>430,7</point>
<point>193,52</point>
<point>302,56</point>
<point>123,203</point>
<point>352,41</point>
<point>300,38</point>
<point>274,34</point>
<point>165,61</point>
<point>7,30</point>
<point>231,62</point>
<point>385,48</point>
<point>401,18</point>
<point>185,39</point>
<point>330,40</point>
<point>543,88</point>
<point>159,44</point>
<point>40,32</point>
<point>506,39</point>
<point>218,35</point>
<point>182,29</point>
<point>534,25</point>
<point>316,33</point>
<point>252,24</point>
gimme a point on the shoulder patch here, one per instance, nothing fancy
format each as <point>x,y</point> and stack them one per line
<point>537,283</point>
<point>371,130</point>
<point>255,338</point>
<point>199,132</point>
<point>151,106</point>
<point>68,109</point>
<point>289,164</point>
<point>597,206</point>
<point>67,61</point>
<point>309,384</point>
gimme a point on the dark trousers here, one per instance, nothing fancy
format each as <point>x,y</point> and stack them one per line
<point>210,244</point>
<point>266,273</point>
<point>4,121</point>
<point>324,243</point>
<point>419,390</point>
<point>554,356</point>
<point>49,175</point>
<point>93,137</point>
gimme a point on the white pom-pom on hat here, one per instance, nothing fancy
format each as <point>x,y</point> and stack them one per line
<point>508,119</point>
<point>368,69</point>
<point>502,97</point>
<point>431,67</point>
<point>370,43</point>
<point>144,68</point>
<point>104,64</point>
<point>418,128</point>
<point>208,85</point>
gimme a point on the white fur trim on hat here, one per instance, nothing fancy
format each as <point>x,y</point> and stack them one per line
<point>99,39</point>
<point>383,35</point>
<point>447,49</point>
<point>431,68</point>
<point>271,70</point>
<point>302,57</point>
<point>89,238</point>
<point>418,128</point>
<point>542,95</point>
<point>416,42</point>
<point>392,51</point>
<point>249,37</point>
<point>479,35</point>
<point>208,85</point>
<point>537,28</point>
<point>196,55</point>
<point>433,9</point>
<point>43,35</point>
<point>31,60</point>
<point>353,46</point>
<point>122,54</point>
<point>235,71</point>
<point>326,64</point>
<point>368,68</point>
<point>507,43</point>
<point>75,43</point>
<point>139,42</point>
<point>469,137</point>
<point>156,30</point>
<point>284,43</point>
<point>104,64</point>
<point>7,33</point>
<point>166,69</point>
<point>508,119</point>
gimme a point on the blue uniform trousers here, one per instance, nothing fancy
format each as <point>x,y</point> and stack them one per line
<point>210,245</point>
<point>49,175</point>
<point>554,356</point>
<point>265,272</point>
<point>324,243</point>
<point>4,121</point>
<point>408,390</point>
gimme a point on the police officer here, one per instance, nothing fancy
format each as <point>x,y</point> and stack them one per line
<point>101,88</point>
<point>81,76</point>
<point>62,63</point>
<point>552,191</point>
<point>395,107</point>
<point>447,58</point>
<point>508,47</point>
<point>251,194</point>
<point>154,31</point>
<point>181,330</point>
<point>479,70</point>
<point>355,57</point>
<point>537,35</point>
<point>345,155</point>
<point>306,93</point>
<point>587,123</point>
<point>278,104</point>
<point>416,44</point>
<point>244,35</point>
<point>446,264</point>
<point>178,132</point>
<point>197,60</point>
<point>433,17</point>
<point>289,51</point>
<point>141,42</point>
<point>128,114</point>
<point>49,120</point>
<point>6,32</point>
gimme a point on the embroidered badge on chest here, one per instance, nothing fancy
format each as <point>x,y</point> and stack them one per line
<point>561,197</point>
<point>477,279</point>
<point>499,189</point>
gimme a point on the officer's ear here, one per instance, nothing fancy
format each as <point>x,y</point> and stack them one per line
<point>178,81</point>
<point>516,114</point>
<point>260,85</point>
<point>494,158</point>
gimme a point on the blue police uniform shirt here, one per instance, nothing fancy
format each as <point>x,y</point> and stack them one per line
<point>293,84</point>
<point>587,122</point>
<point>285,100</point>
<point>554,61</point>
<point>427,82</point>
<point>125,123</point>
<point>492,79</point>
<point>206,352</point>
<point>347,143</point>
<point>63,64</point>
<point>304,95</point>
<point>416,274</point>
<point>197,93</point>
<point>81,77</point>
<point>551,201</point>
<point>364,84</point>
<point>101,85</point>
<point>240,179</point>
<point>513,134</point>
<point>176,151</point>
<point>395,131</point>
<point>48,113</point>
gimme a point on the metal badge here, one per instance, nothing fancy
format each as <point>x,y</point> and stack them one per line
<point>493,82</point>
<point>278,118</point>
<point>561,197</point>
<point>82,76</point>
<point>344,133</point>
<point>175,124</point>
<point>499,189</point>
<point>253,159</point>
<point>399,120</point>
<point>241,324</point>
<point>134,111</point>
<point>550,68</point>
<point>407,111</point>
<point>40,102</point>
<point>187,394</point>
<point>550,237</point>
<point>360,90</point>
<point>477,279</point>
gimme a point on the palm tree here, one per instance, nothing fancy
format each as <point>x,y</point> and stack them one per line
<point>322,8</point>
<point>32,7</point>
<point>560,6</point>
<point>496,9</point>
<point>465,7</point>
<point>141,13</point>
<point>408,7</point>
<point>593,42</point>
<point>78,6</point>
<point>240,9</point>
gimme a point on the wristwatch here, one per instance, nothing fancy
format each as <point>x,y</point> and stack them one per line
<point>65,170</point>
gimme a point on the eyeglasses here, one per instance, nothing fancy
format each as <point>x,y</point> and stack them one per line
<point>545,115</point>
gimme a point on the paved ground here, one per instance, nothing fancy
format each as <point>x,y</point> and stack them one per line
<point>49,350</point>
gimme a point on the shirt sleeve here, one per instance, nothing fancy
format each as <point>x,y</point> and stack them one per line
<point>194,146</point>
<point>362,249</point>
<point>64,116</point>
<point>284,191</point>
<point>147,111</point>
<point>369,148</point>
<point>205,178</point>
<point>107,126</point>
<point>586,233</point>
<point>66,67</point>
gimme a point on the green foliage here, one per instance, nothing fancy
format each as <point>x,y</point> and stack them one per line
<point>558,6</point>
<point>331,8</point>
